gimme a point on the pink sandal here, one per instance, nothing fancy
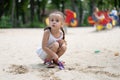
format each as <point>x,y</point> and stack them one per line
<point>49,64</point>
<point>59,63</point>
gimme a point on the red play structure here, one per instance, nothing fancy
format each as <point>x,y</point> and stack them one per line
<point>71,19</point>
<point>105,21</point>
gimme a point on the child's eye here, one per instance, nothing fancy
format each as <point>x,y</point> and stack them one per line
<point>52,20</point>
<point>57,20</point>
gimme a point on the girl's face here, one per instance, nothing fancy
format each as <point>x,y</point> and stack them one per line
<point>55,21</point>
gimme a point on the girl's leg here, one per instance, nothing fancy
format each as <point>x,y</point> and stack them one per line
<point>54,47</point>
<point>62,50</point>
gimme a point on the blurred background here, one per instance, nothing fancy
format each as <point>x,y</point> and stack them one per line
<point>33,13</point>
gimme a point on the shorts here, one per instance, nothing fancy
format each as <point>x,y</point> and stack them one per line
<point>41,53</point>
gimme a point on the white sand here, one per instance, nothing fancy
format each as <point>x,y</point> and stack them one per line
<point>18,60</point>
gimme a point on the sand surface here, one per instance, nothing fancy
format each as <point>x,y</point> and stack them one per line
<point>90,55</point>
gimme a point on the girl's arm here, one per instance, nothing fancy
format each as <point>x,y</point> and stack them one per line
<point>45,46</point>
<point>96,15</point>
<point>61,42</point>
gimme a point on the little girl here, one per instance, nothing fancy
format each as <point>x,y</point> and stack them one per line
<point>53,42</point>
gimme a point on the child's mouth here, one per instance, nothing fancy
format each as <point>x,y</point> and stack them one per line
<point>53,25</point>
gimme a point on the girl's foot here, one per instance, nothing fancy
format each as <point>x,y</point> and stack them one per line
<point>59,63</point>
<point>49,64</point>
<point>61,66</point>
<point>56,62</point>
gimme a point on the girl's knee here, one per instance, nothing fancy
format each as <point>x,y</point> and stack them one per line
<point>63,47</point>
<point>56,45</point>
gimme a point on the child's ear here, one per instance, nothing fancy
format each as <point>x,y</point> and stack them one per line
<point>62,24</point>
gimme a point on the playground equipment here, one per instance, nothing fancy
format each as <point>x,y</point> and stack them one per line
<point>105,21</point>
<point>114,17</point>
<point>70,20</point>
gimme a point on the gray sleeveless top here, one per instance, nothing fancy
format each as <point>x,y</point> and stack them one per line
<point>52,39</point>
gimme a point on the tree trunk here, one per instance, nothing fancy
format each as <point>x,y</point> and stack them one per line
<point>115,3</point>
<point>17,12</point>
<point>81,16</point>
<point>118,4</point>
<point>63,5</point>
<point>23,18</point>
<point>38,11</point>
<point>76,9</point>
<point>1,7</point>
<point>13,14</point>
<point>32,10</point>
<point>92,5</point>
<point>23,12</point>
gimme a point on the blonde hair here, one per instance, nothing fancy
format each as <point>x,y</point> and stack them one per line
<point>63,16</point>
<point>58,12</point>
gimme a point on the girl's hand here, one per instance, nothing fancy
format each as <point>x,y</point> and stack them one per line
<point>61,42</point>
<point>55,57</point>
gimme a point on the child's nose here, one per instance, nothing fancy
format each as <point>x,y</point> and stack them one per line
<point>54,22</point>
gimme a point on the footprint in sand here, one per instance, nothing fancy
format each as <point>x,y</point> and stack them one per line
<point>95,70</point>
<point>17,69</point>
<point>116,54</point>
